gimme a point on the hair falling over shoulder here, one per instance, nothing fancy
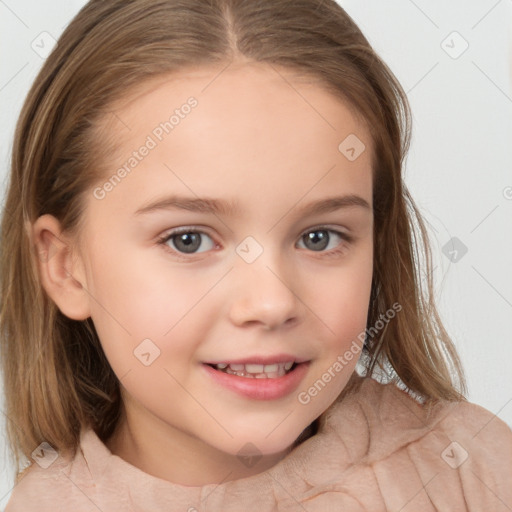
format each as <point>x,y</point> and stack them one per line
<point>56,376</point>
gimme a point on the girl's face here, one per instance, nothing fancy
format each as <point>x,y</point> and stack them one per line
<point>226,238</point>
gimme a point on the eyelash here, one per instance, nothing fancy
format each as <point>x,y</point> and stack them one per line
<point>168,236</point>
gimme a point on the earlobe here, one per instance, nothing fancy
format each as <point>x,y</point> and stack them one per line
<point>62,276</point>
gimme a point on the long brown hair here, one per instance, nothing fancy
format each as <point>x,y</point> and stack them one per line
<point>56,376</point>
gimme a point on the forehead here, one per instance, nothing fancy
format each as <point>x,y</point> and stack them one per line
<point>257,129</point>
<point>241,92</point>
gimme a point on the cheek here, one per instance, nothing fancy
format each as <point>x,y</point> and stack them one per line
<point>146,296</point>
<point>342,299</point>
<point>343,311</point>
<point>132,302</point>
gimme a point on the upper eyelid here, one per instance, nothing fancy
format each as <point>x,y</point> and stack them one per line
<point>203,230</point>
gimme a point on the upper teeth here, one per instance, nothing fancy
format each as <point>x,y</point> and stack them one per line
<point>256,370</point>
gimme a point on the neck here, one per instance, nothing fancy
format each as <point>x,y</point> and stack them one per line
<point>183,459</point>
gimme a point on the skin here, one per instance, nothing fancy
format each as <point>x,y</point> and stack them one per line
<point>254,139</point>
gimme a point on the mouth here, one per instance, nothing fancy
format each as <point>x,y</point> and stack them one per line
<point>255,370</point>
<point>261,380</point>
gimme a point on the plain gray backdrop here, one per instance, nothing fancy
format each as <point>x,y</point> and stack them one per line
<point>454,61</point>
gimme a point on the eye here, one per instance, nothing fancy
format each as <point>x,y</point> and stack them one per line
<point>186,241</point>
<point>319,239</point>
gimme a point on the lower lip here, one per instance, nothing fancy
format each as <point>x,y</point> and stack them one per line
<point>260,389</point>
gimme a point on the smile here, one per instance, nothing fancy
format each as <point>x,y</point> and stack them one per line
<point>256,371</point>
<point>258,381</point>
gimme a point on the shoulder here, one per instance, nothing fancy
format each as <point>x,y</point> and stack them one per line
<point>475,425</point>
<point>468,452</point>
<point>387,405</point>
<point>449,452</point>
<point>478,444</point>
<point>57,483</point>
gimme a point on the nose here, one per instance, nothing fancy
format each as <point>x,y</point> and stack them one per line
<point>262,294</point>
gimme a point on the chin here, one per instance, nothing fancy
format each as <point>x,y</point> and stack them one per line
<point>260,442</point>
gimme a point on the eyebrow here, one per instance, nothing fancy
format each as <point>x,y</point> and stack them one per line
<point>231,209</point>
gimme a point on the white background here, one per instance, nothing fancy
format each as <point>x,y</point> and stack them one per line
<point>458,169</point>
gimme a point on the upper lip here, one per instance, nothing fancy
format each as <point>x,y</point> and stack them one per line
<point>261,359</point>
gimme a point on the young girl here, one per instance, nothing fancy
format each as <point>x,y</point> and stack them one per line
<point>211,290</point>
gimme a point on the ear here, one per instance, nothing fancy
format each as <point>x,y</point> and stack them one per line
<point>62,272</point>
